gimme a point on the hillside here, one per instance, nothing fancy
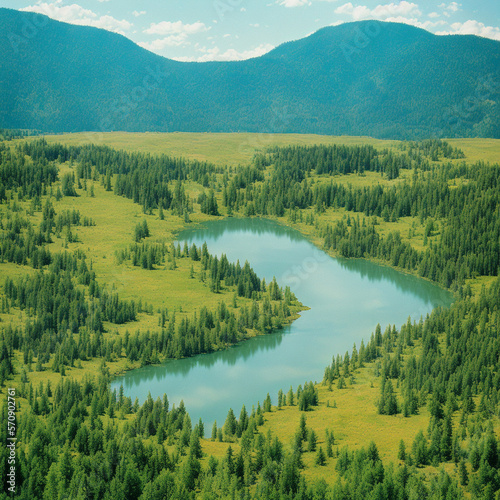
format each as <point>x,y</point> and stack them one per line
<point>386,80</point>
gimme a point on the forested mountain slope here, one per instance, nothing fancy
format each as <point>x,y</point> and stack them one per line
<point>363,78</point>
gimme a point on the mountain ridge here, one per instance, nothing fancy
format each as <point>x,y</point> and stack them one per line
<point>386,80</point>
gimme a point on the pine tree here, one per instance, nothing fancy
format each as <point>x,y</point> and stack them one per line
<point>387,404</point>
<point>302,427</point>
<point>311,440</point>
<point>230,424</point>
<point>320,457</point>
<point>402,451</point>
<point>462,471</point>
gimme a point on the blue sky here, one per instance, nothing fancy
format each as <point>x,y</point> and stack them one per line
<point>203,30</point>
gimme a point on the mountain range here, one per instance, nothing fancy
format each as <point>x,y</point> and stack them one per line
<point>387,80</point>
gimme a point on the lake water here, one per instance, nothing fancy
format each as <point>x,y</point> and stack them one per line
<point>347,298</point>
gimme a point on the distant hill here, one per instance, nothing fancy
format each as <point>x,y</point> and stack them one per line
<point>386,80</point>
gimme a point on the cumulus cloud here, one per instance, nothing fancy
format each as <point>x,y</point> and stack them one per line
<point>409,13</point>
<point>382,11</point>
<point>426,25</point>
<point>472,27</point>
<point>298,3</point>
<point>178,27</point>
<point>216,54</point>
<point>76,14</point>
<point>162,43</point>
<point>136,13</point>
<point>175,34</point>
<point>293,3</point>
<point>450,9</point>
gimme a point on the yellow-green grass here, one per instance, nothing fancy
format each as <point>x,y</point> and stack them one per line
<point>14,270</point>
<point>351,414</point>
<point>221,149</point>
<point>478,149</point>
<point>366,179</point>
<point>239,148</point>
<point>115,218</point>
<point>479,282</point>
<point>217,449</point>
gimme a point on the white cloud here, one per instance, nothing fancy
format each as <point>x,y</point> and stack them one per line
<point>169,28</point>
<point>433,15</point>
<point>357,13</point>
<point>399,9</point>
<point>472,27</point>
<point>293,3</point>
<point>174,34</point>
<point>426,25</point>
<point>452,7</point>
<point>382,11</point>
<point>169,41</point>
<point>215,54</point>
<point>137,13</point>
<point>75,14</point>
<point>256,25</point>
<point>298,3</point>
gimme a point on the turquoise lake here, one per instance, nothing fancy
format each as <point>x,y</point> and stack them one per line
<point>347,298</point>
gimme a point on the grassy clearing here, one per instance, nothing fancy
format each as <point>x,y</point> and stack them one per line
<point>351,414</point>
<point>221,149</point>
<point>478,149</point>
<point>238,148</point>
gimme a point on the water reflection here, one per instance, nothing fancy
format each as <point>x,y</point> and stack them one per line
<point>405,283</point>
<point>240,352</point>
<point>255,226</point>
